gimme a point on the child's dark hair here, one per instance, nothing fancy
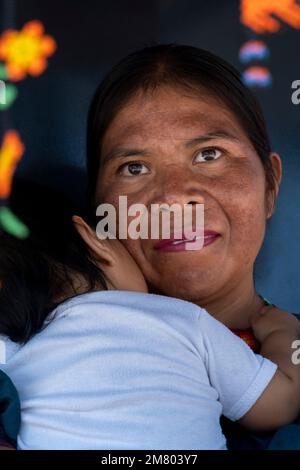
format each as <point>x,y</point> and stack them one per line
<point>36,273</point>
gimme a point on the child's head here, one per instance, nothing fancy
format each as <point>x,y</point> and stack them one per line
<point>61,258</point>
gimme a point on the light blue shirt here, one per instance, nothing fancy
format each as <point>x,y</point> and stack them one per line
<point>127,370</point>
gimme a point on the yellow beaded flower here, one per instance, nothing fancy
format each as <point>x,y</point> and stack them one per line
<point>26,52</point>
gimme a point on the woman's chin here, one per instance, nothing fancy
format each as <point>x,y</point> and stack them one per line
<point>191,286</point>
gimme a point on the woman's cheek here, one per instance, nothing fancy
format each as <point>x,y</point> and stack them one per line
<point>245,206</point>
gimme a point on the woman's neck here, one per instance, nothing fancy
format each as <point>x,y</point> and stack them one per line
<point>235,306</point>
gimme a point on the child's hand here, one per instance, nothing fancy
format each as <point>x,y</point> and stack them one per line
<point>270,319</point>
<point>276,330</point>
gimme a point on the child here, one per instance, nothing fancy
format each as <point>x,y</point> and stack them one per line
<point>99,363</point>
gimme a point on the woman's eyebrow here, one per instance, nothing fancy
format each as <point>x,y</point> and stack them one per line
<point>123,152</point>
<point>210,136</point>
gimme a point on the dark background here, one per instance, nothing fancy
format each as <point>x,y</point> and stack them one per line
<point>50,112</point>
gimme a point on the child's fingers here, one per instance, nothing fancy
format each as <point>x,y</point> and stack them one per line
<point>258,314</point>
<point>267,308</point>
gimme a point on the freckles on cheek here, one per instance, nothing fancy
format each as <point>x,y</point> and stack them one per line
<point>243,202</point>
<point>107,194</point>
<point>247,222</point>
<point>245,188</point>
<point>106,191</point>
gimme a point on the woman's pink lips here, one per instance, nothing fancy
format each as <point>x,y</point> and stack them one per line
<point>171,244</point>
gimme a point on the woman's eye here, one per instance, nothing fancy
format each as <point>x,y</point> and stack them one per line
<point>134,169</point>
<point>208,154</point>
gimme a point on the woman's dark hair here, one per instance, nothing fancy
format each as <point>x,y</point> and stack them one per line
<point>178,65</point>
<point>35,273</point>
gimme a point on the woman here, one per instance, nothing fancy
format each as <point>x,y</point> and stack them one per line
<point>175,124</point>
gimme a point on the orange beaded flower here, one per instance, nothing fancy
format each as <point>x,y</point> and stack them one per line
<point>10,153</point>
<point>265,16</point>
<point>26,52</point>
<point>248,337</point>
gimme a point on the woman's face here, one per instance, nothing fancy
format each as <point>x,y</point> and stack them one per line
<point>155,151</point>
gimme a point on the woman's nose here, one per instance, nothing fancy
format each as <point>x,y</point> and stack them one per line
<point>180,187</point>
